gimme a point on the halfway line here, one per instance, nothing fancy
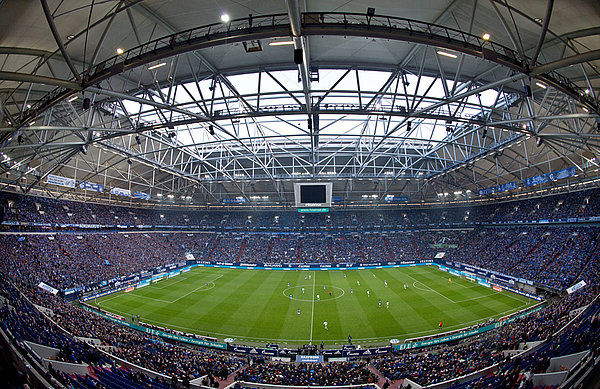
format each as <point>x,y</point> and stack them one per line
<point>312,315</point>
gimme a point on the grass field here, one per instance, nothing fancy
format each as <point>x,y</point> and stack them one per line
<point>254,306</point>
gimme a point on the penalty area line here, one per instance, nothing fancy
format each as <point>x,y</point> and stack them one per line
<point>200,287</point>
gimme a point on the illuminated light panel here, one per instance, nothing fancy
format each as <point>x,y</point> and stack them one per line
<point>158,65</point>
<point>446,54</point>
<point>281,43</point>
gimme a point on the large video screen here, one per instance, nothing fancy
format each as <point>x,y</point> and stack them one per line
<point>313,194</point>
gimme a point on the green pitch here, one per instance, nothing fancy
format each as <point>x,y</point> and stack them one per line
<point>254,306</point>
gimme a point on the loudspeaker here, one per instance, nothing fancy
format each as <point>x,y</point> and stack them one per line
<point>298,56</point>
<point>370,12</point>
<point>86,103</point>
<point>528,91</point>
<point>211,130</point>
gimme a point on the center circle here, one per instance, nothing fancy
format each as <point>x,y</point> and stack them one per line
<point>337,293</point>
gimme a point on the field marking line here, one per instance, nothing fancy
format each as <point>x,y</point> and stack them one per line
<point>384,338</point>
<point>108,298</point>
<point>201,286</point>
<point>312,315</point>
<point>462,286</point>
<point>152,298</point>
<point>430,288</point>
<point>169,285</point>
<point>474,298</point>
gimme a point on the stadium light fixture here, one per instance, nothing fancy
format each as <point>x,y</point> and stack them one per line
<point>158,65</point>
<point>120,51</point>
<point>225,18</point>
<point>541,85</point>
<point>446,54</point>
<point>486,37</point>
<point>281,43</point>
<point>73,99</point>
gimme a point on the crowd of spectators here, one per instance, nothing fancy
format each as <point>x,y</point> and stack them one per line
<point>72,260</point>
<point>423,366</point>
<point>27,323</point>
<point>20,208</point>
<point>552,256</point>
<point>549,256</point>
<point>303,374</point>
<point>445,363</point>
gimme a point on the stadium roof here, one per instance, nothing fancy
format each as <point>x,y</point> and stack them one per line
<point>202,101</point>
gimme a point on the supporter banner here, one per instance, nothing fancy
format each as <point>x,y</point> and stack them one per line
<point>443,246</point>
<point>395,198</point>
<point>576,287</point>
<point>91,186</point>
<point>73,290</point>
<point>498,188</point>
<point>233,200</point>
<point>162,334</point>
<point>309,358</point>
<point>47,288</point>
<point>141,195</point>
<point>465,334</point>
<point>60,181</point>
<point>561,174</point>
<point>189,257</point>
<point>552,176</point>
<point>507,186</point>
<point>121,192</point>
<point>487,191</point>
<point>536,180</point>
